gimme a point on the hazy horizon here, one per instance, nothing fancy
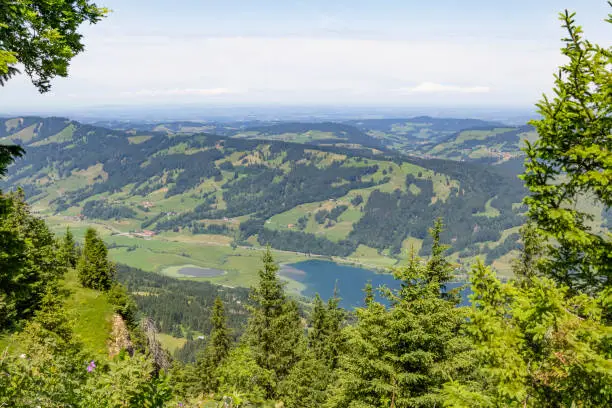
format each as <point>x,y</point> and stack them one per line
<point>394,54</point>
<point>272,112</point>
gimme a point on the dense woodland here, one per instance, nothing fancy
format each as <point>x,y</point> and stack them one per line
<point>542,339</point>
<point>180,306</point>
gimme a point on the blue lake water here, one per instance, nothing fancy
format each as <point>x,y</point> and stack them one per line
<point>321,276</point>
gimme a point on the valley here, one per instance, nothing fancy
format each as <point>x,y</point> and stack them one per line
<point>164,197</point>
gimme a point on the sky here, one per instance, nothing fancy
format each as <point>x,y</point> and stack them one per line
<point>315,52</point>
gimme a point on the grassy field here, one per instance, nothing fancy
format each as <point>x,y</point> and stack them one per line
<point>171,343</point>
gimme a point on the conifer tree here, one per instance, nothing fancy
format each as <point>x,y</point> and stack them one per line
<point>68,249</point>
<point>325,338</point>
<point>316,337</point>
<point>274,332</point>
<point>536,346</point>
<point>570,162</point>
<point>28,260</point>
<point>402,356</point>
<point>527,265</point>
<point>217,349</point>
<point>308,382</point>
<point>439,268</point>
<point>94,269</point>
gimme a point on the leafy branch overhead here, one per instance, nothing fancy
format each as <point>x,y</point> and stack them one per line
<point>42,37</point>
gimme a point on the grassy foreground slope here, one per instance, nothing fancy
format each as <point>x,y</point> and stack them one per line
<point>90,313</point>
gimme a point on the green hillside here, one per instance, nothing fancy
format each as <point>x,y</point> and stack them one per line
<point>493,145</point>
<point>90,313</point>
<point>417,134</point>
<point>363,205</point>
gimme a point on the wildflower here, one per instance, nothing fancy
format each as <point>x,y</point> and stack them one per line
<point>91,366</point>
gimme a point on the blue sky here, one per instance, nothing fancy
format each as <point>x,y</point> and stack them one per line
<point>334,52</point>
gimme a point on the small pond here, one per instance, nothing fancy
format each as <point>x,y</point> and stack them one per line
<point>321,276</point>
<point>197,272</point>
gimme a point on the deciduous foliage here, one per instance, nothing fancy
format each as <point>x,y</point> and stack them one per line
<point>94,268</point>
<point>8,153</point>
<point>42,36</point>
<point>571,161</point>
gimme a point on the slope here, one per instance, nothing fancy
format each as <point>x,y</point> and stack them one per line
<point>180,192</point>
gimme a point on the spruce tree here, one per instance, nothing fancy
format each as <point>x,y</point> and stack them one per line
<point>536,346</point>
<point>439,268</point>
<point>308,382</point>
<point>402,355</point>
<point>28,260</point>
<point>68,249</point>
<point>217,349</point>
<point>325,339</point>
<point>275,332</point>
<point>317,335</point>
<point>94,269</point>
<point>571,162</point>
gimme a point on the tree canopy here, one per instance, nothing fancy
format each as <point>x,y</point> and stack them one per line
<point>42,36</point>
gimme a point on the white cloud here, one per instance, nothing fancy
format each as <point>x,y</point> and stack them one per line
<point>432,87</point>
<point>180,92</point>
<point>295,70</point>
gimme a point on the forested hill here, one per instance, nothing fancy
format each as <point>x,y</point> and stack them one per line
<point>324,200</point>
<point>315,133</point>
<point>448,138</point>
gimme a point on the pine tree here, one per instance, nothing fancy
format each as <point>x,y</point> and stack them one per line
<point>402,356</point>
<point>68,250</point>
<point>274,332</point>
<point>94,269</point>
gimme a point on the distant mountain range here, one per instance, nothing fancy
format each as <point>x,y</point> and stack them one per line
<point>454,139</point>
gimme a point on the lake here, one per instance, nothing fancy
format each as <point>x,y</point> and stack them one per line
<point>321,276</point>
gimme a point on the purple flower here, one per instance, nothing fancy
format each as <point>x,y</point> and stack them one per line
<point>91,366</point>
